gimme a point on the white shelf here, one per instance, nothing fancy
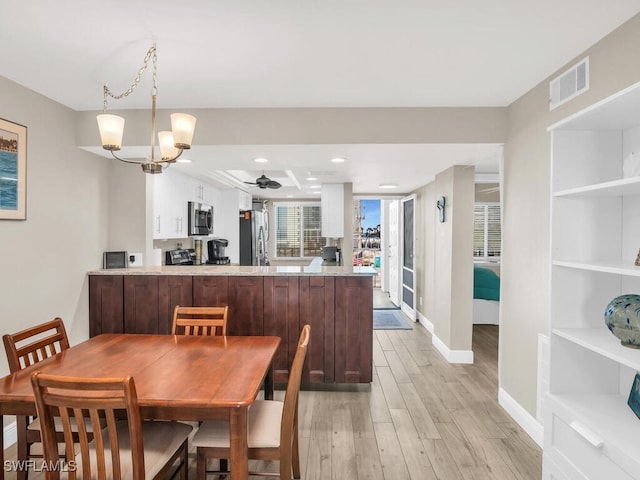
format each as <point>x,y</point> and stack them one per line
<point>614,188</point>
<point>603,342</point>
<point>594,219</point>
<point>610,417</point>
<point>617,267</point>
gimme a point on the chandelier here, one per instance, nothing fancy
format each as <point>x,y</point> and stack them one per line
<point>172,143</point>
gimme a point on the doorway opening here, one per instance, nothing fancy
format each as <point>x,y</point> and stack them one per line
<point>367,241</point>
<point>367,244</point>
<point>376,244</point>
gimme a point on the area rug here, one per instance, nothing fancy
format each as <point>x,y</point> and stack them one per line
<point>389,320</point>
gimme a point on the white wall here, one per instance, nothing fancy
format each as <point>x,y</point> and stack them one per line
<point>444,261</point>
<point>128,208</point>
<point>45,259</point>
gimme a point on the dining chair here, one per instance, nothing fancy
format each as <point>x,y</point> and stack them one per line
<point>272,428</point>
<point>199,320</point>
<point>126,448</point>
<point>25,348</point>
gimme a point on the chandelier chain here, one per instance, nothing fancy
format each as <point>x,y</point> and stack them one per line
<point>151,55</point>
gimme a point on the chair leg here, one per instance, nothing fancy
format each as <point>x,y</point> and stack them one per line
<point>295,455</point>
<point>184,469</point>
<point>285,465</point>
<point>295,452</point>
<point>201,464</point>
<point>23,448</point>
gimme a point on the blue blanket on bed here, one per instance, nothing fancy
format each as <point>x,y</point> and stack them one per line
<point>486,283</point>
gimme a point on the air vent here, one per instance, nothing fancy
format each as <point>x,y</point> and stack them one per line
<point>570,84</point>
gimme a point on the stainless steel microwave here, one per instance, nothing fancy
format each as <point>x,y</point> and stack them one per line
<point>200,219</point>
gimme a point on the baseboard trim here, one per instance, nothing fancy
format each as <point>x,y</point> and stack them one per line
<point>424,321</point>
<point>10,433</point>
<point>523,418</point>
<point>452,356</point>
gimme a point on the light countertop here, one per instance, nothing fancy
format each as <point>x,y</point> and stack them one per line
<point>314,268</point>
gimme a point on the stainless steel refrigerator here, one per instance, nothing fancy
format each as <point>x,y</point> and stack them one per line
<point>254,237</point>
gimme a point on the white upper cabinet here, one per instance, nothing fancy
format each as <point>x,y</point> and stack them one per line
<point>170,206</point>
<point>172,193</point>
<point>590,431</point>
<point>244,200</point>
<point>332,210</point>
<point>201,192</point>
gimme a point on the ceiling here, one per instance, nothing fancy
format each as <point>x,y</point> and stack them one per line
<point>303,53</point>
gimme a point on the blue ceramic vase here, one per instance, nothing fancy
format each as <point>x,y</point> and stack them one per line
<point>622,318</point>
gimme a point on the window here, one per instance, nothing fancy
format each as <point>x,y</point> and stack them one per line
<point>487,236</point>
<point>298,230</point>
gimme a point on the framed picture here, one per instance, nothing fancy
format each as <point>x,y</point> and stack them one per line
<point>13,171</point>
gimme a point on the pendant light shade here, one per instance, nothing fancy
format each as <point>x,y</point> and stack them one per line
<point>111,129</point>
<point>183,125</point>
<point>167,149</point>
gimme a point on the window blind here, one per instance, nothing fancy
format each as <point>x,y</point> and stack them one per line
<point>487,235</point>
<point>288,231</point>
<point>298,230</point>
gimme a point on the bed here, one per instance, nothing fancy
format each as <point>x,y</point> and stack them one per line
<point>486,295</point>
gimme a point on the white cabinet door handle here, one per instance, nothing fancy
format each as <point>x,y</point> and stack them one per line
<point>587,434</point>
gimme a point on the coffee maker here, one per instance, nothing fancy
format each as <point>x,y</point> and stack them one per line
<point>216,251</point>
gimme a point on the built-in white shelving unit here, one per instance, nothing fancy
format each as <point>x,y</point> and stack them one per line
<point>590,432</point>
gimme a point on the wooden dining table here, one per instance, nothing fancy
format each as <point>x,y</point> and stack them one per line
<point>177,377</point>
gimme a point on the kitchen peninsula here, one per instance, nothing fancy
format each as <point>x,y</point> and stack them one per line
<point>337,301</point>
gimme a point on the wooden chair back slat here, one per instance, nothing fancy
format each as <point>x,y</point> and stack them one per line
<point>43,341</point>
<point>94,400</point>
<point>209,321</point>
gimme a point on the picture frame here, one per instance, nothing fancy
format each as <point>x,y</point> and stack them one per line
<point>13,171</point>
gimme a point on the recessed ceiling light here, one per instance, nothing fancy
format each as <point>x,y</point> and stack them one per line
<point>317,192</point>
<point>311,179</point>
<point>388,185</point>
<point>183,160</point>
<point>315,186</point>
<point>260,160</point>
<point>337,160</point>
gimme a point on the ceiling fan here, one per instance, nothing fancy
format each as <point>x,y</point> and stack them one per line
<point>265,182</point>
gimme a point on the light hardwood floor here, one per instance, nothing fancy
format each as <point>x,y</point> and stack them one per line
<point>422,419</point>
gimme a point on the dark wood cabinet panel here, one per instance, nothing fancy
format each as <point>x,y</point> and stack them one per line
<point>339,310</point>
<point>172,290</point>
<point>106,308</point>
<point>141,303</point>
<point>317,308</point>
<point>281,318</point>
<point>354,330</point>
<point>246,306</point>
<point>210,291</point>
